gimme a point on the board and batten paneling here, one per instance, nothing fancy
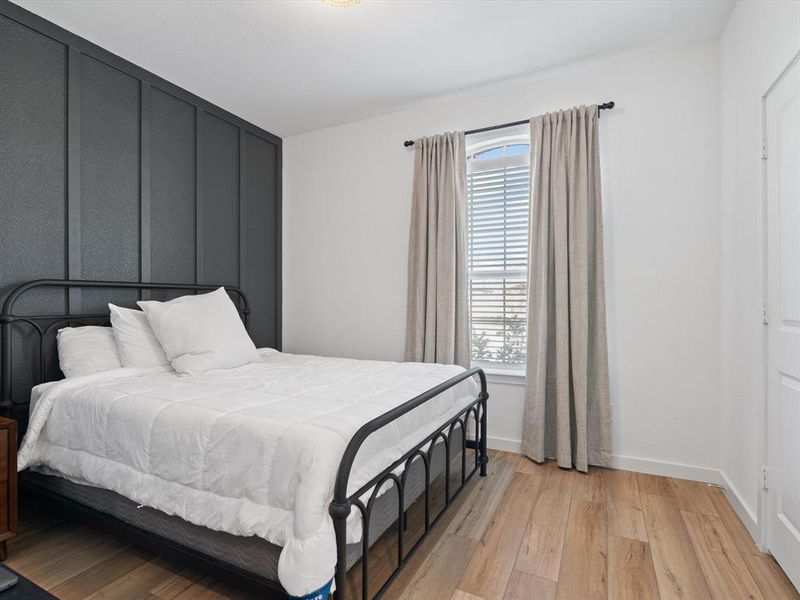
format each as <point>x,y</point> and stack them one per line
<point>221,249</point>
<point>33,98</point>
<point>110,172</point>
<point>172,189</point>
<point>256,272</point>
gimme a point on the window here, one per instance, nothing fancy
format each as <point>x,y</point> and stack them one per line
<point>498,190</point>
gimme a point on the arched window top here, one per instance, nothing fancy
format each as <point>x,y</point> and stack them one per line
<point>488,152</point>
<point>501,150</point>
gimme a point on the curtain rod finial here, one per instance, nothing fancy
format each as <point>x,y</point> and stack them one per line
<point>408,143</point>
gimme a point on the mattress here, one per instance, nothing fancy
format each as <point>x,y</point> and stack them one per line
<point>250,451</point>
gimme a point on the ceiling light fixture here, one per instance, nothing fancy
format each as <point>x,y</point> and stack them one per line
<point>342,3</point>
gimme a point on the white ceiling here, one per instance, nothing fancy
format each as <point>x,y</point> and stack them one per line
<point>294,66</point>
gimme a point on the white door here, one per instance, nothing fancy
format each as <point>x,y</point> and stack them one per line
<point>783,350</point>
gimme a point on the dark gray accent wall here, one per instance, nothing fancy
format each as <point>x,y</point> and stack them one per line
<point>109,166</point>
<point>172,189</point>
<point>221,200</point>
<point>33,100</point>
<point>257,240</point>
<point>110,172</point>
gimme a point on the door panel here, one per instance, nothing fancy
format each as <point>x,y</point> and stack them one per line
<point>790,410</point>
<point>783,364</point>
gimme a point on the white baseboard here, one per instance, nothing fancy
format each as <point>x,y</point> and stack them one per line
<point>747,516</point>
<point>498,443</point>
<point>629,463</point>
<point>667,469</point>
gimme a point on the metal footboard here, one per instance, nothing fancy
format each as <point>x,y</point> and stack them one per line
<point>342,504</point>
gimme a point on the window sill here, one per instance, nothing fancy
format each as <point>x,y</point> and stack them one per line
<point>503,376</point>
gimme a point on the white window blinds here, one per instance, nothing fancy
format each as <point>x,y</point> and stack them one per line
<point>498,191</point>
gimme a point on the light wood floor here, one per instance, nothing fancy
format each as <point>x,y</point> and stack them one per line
<point>525,532</point>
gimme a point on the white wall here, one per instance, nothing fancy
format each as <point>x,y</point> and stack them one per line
<point>759,41</point>
<point>346,217</point>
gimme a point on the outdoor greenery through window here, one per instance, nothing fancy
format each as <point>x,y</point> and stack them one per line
<point>498,190</point>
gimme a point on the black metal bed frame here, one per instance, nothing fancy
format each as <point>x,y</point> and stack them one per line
<point>52,322</point>
<point>342,503</point>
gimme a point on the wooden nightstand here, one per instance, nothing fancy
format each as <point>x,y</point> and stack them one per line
<point>8,483</point>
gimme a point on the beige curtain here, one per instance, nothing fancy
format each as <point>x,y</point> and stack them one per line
<point>566,401</point>
<point>437,320</point>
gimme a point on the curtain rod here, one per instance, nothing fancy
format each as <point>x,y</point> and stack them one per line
<point>603,106</point>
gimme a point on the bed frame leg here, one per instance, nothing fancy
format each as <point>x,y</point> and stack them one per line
<point>484,458</point>
<point>340,512</point>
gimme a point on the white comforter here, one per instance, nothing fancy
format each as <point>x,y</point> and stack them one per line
<point>250,451</point>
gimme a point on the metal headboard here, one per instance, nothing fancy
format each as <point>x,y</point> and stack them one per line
<point>45,325</point>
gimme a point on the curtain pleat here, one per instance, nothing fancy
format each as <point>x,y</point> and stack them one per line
<point>567,413</point>
<point>437,319</point>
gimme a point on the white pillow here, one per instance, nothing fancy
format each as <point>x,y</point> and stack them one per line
<point>86,350</point>
<point>137,345</point>
<point>199,333</point>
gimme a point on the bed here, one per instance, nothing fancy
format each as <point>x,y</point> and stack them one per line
<point>279,473</point>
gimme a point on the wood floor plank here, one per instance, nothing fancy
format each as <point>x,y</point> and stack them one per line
<point>490,568</point>
<point>692,496</point>
<point>623,506</point>
<point>741,537</point>
<point>459,595</point>
<point>583,572</point>
<point>530,466</point>
<point>41,558</point>
<point>208,588</point>
<point>72,564</point>
<point>59,535</point>
<point>440,572</point>
<point>771,579</point>
<point>725,570</point>
<point>175,584</point>
<point>677,569</point>
<point>101,574</point>
<point>543,542</point>
<point>524,586</point>
<point>590,487</point>
<point>473,519</point>
<point>654,484</point>
<point>631,575</point>
<point>199,590</point>
<point>135,584</point>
